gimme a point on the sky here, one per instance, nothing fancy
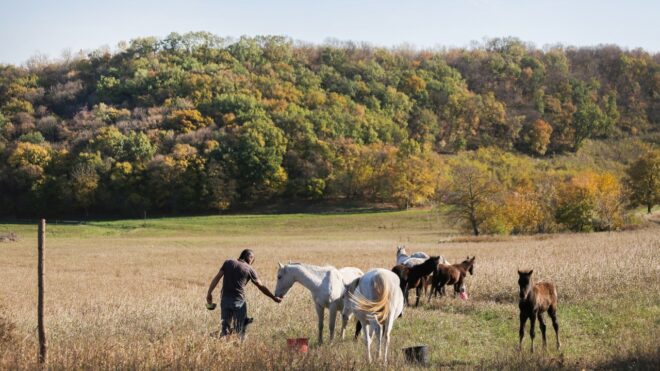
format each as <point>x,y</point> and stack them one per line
<point>42,27</point>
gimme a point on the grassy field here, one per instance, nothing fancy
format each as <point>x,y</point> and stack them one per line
<point>131,294</point>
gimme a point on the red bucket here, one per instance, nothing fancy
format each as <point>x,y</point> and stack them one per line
<point>300,345</point>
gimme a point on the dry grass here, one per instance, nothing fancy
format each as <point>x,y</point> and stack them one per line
<point>128,295</point>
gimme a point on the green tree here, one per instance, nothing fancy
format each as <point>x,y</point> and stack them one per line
<point>138,147</point>
<point>643,180</point>
<point>109,142</point>
<point>257,156</point>
<point>468,192</point>
<point>588,120</point>
<point>84,183</point>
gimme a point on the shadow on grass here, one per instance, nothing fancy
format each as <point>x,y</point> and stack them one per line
<point>329,207</point>
<point>526,361</point>
<point>639,359</point>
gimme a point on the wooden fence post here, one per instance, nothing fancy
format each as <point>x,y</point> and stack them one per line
<point>40,299</point>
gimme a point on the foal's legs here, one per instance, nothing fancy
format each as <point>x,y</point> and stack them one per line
<point>532,330</point>
<point>405,294</point>
<point>434,282</point>
<point>426,282</point>
<point>319,312</point>
<point>418,291</point>
<point>437,284</point>
<point>539,316</point>
<point>552,311</point>
<point>523,319</point>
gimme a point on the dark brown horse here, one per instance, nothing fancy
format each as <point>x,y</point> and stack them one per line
<point>453,274</point>
<point>402,272</point>
<point>534,300</point>
<point>415,277</point>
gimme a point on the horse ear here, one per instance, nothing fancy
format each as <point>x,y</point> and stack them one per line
<point>520,273</point>
<point>280,265</point>
<point>530,272</point>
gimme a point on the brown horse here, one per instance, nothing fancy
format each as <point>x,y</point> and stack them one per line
<point>534,300</point>
<point>415,277</point>
<point>402,272</point>
<point>453,274</point>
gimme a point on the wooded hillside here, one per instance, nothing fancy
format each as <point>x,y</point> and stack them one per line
<point>196,123</point>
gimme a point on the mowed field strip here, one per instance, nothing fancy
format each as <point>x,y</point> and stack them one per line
<point>131,294</point>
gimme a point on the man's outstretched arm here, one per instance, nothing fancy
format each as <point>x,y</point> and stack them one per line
<point>214,283</point>
<point>266,291</point>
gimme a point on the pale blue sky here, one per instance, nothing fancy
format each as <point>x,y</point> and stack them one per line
<point>28,27</point>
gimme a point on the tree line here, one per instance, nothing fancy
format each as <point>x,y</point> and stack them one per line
<point>200,123</point>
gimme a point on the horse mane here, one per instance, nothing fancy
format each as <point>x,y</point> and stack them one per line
<point>315,268</point>
<point>350,288</point>
<point>401,270</point>
<point>379,308</point>
<point>432,261</point>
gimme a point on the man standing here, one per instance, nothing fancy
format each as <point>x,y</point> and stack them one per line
<point>233,306</point>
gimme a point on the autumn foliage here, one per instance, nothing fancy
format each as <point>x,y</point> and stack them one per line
<point>198,123</point>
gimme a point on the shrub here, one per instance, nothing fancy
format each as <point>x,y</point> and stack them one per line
<point>575,208</point>
<point>187,120</point>
<point>590,201</point>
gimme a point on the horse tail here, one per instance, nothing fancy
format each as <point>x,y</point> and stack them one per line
<point>380,307</point>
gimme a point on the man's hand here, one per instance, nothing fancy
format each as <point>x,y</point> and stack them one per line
<point>214,283</point>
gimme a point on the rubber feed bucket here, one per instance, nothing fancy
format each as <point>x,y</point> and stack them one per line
<point>417,354</point>
<point>300,345</point>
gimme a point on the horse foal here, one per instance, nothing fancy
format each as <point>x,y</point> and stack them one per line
<point>534,300</point>
<point>454,274</point>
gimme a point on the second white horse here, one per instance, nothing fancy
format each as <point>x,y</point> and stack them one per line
<point>377,302</point>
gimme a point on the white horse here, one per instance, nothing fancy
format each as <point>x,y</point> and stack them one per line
<point>327,285</point>
<point>415,259</point>
<point>376,300</point>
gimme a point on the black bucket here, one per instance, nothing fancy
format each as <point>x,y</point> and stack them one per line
<point>418,354</point>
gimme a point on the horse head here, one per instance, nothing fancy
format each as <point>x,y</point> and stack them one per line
<point>524,283</point>
<point>285,280</point>
<point>468,264</point>
<point>471,269</point>
<point>349,291</point>
<point>434,261</point>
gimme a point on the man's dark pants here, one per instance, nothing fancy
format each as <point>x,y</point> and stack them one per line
<point>233,311</point>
